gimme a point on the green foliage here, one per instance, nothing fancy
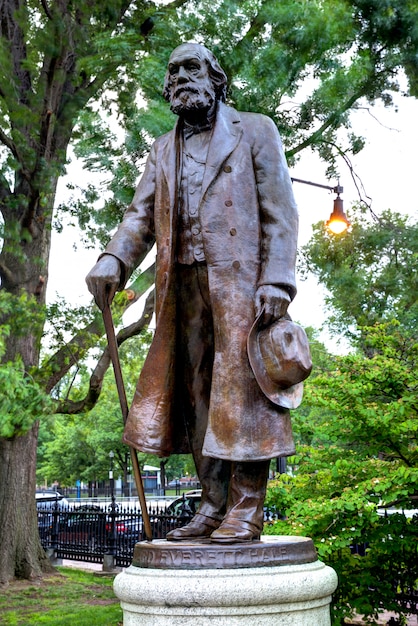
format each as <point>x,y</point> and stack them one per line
<point>333,499</point>
<point>179,465</point>
<point>22,401</point>
<point>358,426</point>
<point>69,71</point>
<point>19,314</point>
<point>370,272</point>
<point>77,448</point>
<point>357,434</point>
<point>65,321</point>
<point>305,64</point>
<point>375,398</point>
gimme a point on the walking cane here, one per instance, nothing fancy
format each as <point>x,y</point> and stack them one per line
<point>114,357</point>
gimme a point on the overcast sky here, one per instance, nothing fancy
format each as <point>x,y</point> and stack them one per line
<point>386,167</point>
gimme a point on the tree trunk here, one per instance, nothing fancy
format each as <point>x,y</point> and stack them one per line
<point>24,266</point>
<point>21,552</point>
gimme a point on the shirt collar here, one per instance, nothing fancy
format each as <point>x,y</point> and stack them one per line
<point>201,127</point>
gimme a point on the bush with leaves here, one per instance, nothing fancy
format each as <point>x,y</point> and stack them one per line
<point>364,461</point>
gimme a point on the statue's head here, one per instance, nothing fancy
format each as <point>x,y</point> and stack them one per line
<point>194,79</point>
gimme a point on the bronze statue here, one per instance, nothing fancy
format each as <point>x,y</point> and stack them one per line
<point>217,199</point>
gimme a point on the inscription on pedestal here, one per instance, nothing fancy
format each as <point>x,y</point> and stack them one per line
<point>267,552</point>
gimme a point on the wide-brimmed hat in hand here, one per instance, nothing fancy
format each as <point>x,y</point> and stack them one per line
<point>280,358</point>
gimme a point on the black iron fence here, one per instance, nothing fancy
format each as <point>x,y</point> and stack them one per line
<point>89,532</point>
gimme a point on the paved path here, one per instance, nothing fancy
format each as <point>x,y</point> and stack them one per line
<point>384,619</point>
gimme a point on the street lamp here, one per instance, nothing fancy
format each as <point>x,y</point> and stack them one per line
<point>111,479</point>
<point>112,514</point>
<point>338,222</point>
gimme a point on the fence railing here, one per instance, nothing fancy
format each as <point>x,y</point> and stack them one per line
<point>89,532</point>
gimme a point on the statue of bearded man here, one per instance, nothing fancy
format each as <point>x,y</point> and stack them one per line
<point>217,199</point>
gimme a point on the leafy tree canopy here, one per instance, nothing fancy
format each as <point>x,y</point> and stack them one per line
<point>357,429</point>
<point>305,64</point>
<point>370,273</point>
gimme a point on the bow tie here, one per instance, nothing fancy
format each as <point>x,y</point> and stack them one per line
<point>190,130</point>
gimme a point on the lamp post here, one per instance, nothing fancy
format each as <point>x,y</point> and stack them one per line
<point>111,479</point>
<point>338,222</point>
<point>112,514</point>
<point>129,481</point>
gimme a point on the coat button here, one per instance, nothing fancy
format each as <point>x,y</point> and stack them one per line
<point>236,265</point>
<point>233,231</point>
<point>228,202</point>
<point>227,169</point>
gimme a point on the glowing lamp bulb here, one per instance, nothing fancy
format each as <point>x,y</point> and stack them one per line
<point>338,222</point>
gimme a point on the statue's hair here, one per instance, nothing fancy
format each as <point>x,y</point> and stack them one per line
<point>216,73</point>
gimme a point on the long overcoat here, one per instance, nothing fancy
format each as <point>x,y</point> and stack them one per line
<point>249,226</point>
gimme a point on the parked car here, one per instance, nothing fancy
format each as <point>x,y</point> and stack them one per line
<point>186,505</point>
<point>48,501</point>
<point>96,527</point>
<point>127,528</point>
<point>176,514</point>
<point>85,516</point>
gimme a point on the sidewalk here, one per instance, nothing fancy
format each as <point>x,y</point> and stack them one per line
<point>384,620</point>
<point>95,567</point>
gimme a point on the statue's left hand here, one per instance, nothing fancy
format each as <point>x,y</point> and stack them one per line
<point>274,300</point>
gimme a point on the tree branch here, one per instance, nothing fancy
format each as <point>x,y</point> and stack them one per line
<point>331,121</point>
<point>5,190</point>
<point>256,26</point>
<point>96,380</point>
<point>333,118</point>
<point>9,143</point>
<point>74,350</point>
<point>46,9</point>
<point>6,274</point>
<point>358,183</point>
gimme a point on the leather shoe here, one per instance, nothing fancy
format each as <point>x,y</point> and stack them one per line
<point>199,527</point>
<point>235,531</point>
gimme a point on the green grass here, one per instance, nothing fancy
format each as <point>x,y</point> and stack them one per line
<point>70,597</point>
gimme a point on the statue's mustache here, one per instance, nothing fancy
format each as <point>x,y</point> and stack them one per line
<point>185,89</point>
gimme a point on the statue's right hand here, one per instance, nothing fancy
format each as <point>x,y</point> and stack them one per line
<point>104,279</point>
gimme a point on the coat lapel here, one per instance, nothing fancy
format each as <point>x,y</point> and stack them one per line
<point>226,135</point>
<point>170,162</point>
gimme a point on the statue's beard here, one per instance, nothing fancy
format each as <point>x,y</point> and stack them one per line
<point>189,100</point>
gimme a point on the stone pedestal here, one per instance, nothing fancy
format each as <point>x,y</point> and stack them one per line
<point>276,581</point>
